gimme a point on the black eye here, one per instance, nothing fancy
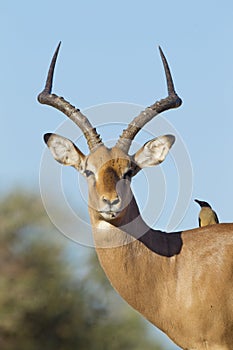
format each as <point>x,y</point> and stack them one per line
<point>88,173</point>
<point>128,174</point>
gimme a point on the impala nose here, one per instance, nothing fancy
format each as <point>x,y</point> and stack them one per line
<point>112,201</point>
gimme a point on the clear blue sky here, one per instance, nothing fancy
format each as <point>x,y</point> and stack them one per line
<point>109,54</point>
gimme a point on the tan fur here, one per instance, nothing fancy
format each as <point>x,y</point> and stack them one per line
<point>181,282</point>
<point>188,293</point>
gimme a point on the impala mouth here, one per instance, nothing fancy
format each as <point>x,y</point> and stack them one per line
<point>109,215</point>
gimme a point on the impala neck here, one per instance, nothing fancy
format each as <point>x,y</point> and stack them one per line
<point>120,231</point>
<point>130,227</point>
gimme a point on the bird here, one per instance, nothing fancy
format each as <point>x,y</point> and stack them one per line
<point>207,215</point>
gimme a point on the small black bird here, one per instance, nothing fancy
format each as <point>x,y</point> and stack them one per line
<point>207,215</point>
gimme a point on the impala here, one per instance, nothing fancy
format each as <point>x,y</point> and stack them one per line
<point>182,282</point>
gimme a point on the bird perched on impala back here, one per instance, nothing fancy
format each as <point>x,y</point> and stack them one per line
<point>207,215</point>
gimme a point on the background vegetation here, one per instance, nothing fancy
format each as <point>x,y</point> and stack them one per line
<point>52,299</point>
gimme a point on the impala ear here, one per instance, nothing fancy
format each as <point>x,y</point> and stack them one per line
<point>154,151</point>
<point>65,151</point>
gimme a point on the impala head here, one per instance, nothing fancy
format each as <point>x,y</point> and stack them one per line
<point>109,171</point>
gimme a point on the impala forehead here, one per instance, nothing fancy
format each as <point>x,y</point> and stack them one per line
<point>105,160</point>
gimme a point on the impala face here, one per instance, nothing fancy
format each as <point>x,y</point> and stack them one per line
<point>109,171</point>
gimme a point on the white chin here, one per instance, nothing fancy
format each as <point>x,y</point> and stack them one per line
<point>109,215</point>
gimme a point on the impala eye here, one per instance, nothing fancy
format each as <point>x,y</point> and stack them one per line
<point>88,173</point>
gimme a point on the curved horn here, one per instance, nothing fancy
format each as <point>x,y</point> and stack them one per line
<point>171,101</point>
<point>46,97</point>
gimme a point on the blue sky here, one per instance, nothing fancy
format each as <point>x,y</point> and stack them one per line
<point>109,54</point>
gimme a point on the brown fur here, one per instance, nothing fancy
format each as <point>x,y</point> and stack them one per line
<point>181,282</point>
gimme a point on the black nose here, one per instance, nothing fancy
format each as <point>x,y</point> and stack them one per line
<point>114,201</point>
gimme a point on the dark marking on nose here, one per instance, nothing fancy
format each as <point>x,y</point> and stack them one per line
<point>110,178</point>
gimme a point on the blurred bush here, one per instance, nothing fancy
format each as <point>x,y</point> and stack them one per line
<point>44,302</point>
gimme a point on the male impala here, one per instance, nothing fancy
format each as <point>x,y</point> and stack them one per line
<point>182,282</point>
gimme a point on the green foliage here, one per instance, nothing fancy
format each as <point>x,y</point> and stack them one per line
<point>43,301</point>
